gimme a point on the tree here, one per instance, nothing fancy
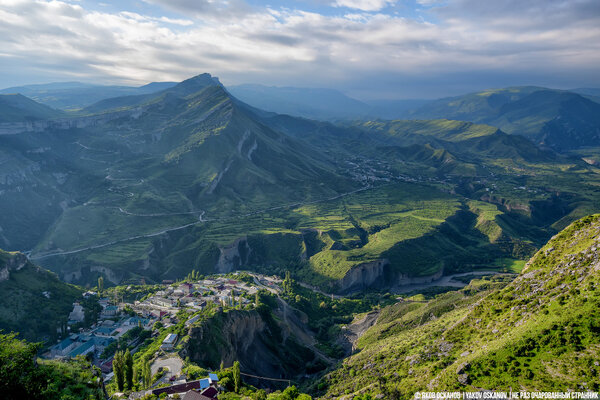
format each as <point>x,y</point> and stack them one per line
<point>19,377</point>
<point>260,395</point>
<point>290,393</point>
<point>287,282</point>
<point>128,361</point>
<point>237,377</point>
<point>100,285</point>
<point>146,373</point>
<point>119,369</point>
<point>222,366</point>
<point>136,376</point>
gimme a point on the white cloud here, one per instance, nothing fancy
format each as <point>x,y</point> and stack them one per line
<point>364,5</point>
<point>284,46</point>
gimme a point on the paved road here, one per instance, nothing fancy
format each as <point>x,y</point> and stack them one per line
<point>172,364</point>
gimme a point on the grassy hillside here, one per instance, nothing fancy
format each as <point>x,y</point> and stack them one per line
<point>34,301</point>
<point>538,332</point>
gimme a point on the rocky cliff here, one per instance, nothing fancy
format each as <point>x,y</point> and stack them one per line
<point>253,338</point>
<point>379,274</point>
<point>10,262</point>
<point>371,274</point>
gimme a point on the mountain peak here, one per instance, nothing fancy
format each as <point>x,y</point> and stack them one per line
<point>195,84</point>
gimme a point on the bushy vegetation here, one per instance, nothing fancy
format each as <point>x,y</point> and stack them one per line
<point>22,376</point>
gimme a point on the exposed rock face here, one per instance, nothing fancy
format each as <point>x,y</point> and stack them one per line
<point>109,273</point>
<point>81,274</point>
<point>238,333</point>
<point>378,274</point>
<point>262,249</point>
<point>233,256</point>
<point>255,340</point>
<point>14,262</point>
<point>364,275</point>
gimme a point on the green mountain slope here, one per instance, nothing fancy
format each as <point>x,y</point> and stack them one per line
<point>138,171</point>
<point>34,301</point>
<point>538,332</point>
<point>558,119</point>
<point>16,108</point>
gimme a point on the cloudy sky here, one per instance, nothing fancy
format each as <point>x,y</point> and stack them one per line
<point>366,48</point>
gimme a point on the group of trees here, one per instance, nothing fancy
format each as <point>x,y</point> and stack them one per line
<point>146,374</point>
<point>288,283</point>
<point>126,376</point>
<point>123,370</point>
<point>194,276</point>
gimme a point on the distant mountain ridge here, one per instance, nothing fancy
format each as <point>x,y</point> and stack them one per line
<point>558,119</point>
<point>150,186</point>
<point>313,103</point>
<point>76,95</point>
<point>16,108</point>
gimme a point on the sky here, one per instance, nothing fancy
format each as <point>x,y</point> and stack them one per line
<point>368,49</point>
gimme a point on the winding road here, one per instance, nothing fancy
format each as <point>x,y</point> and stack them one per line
<point>201,220</point>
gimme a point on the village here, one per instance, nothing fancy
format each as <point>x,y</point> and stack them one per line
<point>131,324</point>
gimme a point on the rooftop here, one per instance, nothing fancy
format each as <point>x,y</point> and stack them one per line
<point>171,338</point>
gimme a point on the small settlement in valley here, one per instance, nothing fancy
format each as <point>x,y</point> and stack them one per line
<point>130,324</point>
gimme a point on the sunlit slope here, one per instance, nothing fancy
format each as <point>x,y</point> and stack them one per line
<point>538,332</point>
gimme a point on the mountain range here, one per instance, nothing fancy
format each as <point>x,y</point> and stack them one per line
<point>76,95</point>
<point>170,180</point>
<point>149,186</point>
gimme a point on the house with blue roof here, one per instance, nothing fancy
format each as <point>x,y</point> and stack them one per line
<point>204,383</point>
<point>63,348</point>
<point>104,331</point>
<point>137,321</point>
<point>83,349</point>
<point>109,312</point>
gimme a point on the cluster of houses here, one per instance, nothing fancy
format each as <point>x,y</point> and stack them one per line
<point>162,306</point>
<point>94,340</point>
<point>220,291</point>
